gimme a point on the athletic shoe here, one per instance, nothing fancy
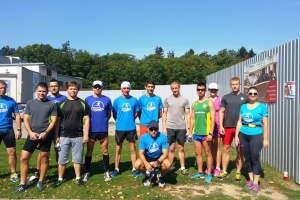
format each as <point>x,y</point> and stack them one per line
<point>14,177</point>
<point>255,189</point>
<point>20,188</point>
<point>212,169</point>
<point>222,175</point>
<point>198,175</point>
<point>136,174</point>
<point>216,172</point>
<point>79,182</point>
<point>115,173</point>
<point>40,185</point>
<point>249,185</point>
<point>238,177</point>
<point>161,181</point>
<point>147,181</point>
<point>184,172</point>
<point>107,177</point>
<point>57,183</point>
<point>208,178</point>
<point>86,177</point>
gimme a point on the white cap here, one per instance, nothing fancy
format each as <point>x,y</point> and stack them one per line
<point>97,83</point>
<point>213,86</point>
<point>125,84</point>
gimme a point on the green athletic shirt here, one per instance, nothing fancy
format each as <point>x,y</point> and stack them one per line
<point>202,118</point>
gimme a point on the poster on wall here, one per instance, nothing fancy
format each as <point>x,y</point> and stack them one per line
<point>290,89</point>
<point>262,75</point>
<point>35,81</point>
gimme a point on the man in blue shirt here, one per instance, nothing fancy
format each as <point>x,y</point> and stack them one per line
<point>8,106</point>
<point>153,154</point>
<point>100,114</point>
<point>125,110</point>
<point>150,107</point>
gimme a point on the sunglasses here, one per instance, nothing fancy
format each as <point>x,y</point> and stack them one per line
<point>202,90</point>
<point>153,129</point>
<point>213,89</point>
<point>97,87</point>
<point>252,93</point>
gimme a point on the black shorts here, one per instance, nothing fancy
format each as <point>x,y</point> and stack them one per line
<point>9,138</point>
<point>149,159</point>
<point>101,136</point>
<point>130,136</point>
<point>44,145</point>
<point>176,135</point>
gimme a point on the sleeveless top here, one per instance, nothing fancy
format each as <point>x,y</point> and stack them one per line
<point>202,117</point>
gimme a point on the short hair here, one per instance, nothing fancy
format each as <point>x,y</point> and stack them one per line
<point>150,82</point>
<point>53,80</point>
<point>235,79</point>
<point>2,82</point>
<point>72,83</point>
<point>42,85</point>
<point>201,84</point>
<point>252,88</point>
<point>175,82</point>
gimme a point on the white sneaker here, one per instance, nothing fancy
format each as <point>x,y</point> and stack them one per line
<point>86,177</point>
<point>107,177</point>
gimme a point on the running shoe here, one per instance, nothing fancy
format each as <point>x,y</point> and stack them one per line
<point>40,185</point>
<point>237,177</point>
<point>107,177</point>
<point>115,173</point>
<point>86,177</point>
<point>20,188</point>
<point>57,183</point>
<point>208,178</point>
<point>216,172</point>
<point>79,182</point>
<point>255,189</point>
<point>249,185</point>
<point>147,181</point>
<point>161,181</point>
<point>222,175</point>
<point>136,174</point>
<point>14,177</point>
<point>184,172</point>
<point>198,175</point>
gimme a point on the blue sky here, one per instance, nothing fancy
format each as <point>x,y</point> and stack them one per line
<point>137,27</point>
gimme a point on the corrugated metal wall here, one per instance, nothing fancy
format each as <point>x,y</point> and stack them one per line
<point>283,152</point>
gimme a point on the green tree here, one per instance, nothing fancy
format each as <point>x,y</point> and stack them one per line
<point>159,51</point>
<point>7,51</point>
<point>190,52</point>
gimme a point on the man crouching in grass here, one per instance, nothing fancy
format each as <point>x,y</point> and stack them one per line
<point>153,154</point>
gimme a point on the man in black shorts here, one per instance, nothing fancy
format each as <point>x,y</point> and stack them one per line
<point>8,106</point>
<point>39,120</point>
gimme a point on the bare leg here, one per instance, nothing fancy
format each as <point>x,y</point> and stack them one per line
<point>44,156</point>
<point>239,159</point>
<point>118,154</point>
<point>225,157</point>
<point>198,153</point>
<point>207,145</point>
<point>133,152</point>
<point>12,158</point>
<point>172,152</point>
<point>24,165</point>
<point>77,167</point>
<point>181,154</point>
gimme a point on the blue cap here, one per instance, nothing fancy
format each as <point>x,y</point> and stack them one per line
<point>153,124</point>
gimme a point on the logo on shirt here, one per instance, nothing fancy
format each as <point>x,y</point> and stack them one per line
<point>3,108</point>
<point>204,105</point>
<point>97,106</point>
<point>151,106</point>
<point>247,117</point>
<point>153,147</point>
<point>126,107</point>
<point>242,98</point>
<point>55,101</point>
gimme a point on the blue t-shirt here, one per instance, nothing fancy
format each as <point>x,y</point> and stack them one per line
<point>56,99</point>
<point>253,116</point>
<point>7,106</point>
<point>153,146</point>
<point>125,109</point>
<point>100,107</point>
<point>150,107</point>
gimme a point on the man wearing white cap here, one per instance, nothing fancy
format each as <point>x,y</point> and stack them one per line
<point>100,114</point>
<point>125,110</point>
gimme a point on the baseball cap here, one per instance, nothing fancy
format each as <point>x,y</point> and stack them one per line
<point>125,84</point>
<point>153,124</point>
<point>97,83</point>
<point>213,86</point>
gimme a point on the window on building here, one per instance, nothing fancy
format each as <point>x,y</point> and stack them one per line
<point>49,72</point>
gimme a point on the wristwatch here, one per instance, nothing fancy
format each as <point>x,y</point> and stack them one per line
<point>210,134</point>
<point>158,162</point>
<point>19,129</point>
<point>46,132</point>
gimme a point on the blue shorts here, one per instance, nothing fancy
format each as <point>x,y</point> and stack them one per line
<point>199,138</point>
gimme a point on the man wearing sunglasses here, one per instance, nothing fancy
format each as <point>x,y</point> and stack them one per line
<point>176,116</point>
<point>228,118</point>
<point>153,154</point>
<point>100,114</point>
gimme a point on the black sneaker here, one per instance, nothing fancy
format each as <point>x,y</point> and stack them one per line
<point>40,185</point>
<point>79,182</point>
<point>161,181</point>
<point>20,188</point>
<point>57,183</point>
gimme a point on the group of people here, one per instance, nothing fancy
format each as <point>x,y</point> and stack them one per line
<point>70,122</point>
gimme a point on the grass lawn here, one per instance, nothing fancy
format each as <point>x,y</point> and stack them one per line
<point>125,186</point>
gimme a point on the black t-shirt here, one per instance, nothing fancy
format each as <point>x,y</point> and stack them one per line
<point>71,113</point>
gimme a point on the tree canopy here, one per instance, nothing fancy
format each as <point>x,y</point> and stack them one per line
<point>112,69</point>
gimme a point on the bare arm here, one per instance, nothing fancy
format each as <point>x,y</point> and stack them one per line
<point>57,126</point>
<point>160,113</point>
<point>188,119</point>
<point>237,130</point>
<point>212,111</point>
<point>32,135</point>
<point>221,120</point>
<point>265,132</point>
<point>164,120</point>
<point>136,114</point>
<point>164,156</point>
<point>108,115</point>
<point>50,127</point>
<point>192,120</point>
<point>115,116</point>
<point>143,159</point>
<point>18,134</point>
<point>86,129</point>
